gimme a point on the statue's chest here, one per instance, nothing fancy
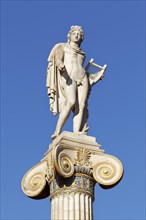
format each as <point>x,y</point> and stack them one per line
<point>72,56</point>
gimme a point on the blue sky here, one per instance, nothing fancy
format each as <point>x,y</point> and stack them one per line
<point>115,35</point>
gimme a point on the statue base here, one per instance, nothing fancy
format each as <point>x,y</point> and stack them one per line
<point>68,173</point>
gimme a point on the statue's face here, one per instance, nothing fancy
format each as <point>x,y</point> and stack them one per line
<point>75,37</point>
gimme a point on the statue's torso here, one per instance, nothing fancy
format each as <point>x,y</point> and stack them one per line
<point>73,62</point>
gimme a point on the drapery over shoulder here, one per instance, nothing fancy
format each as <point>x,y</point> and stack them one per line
<point>53,78</point>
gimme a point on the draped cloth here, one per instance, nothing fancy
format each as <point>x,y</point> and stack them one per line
<point>53,79</point>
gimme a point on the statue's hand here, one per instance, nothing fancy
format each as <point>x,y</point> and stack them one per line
<point>103,75</point>
<point>94,78</point>
<point>61,67</point>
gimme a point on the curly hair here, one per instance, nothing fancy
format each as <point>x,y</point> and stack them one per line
<point>76,28</point>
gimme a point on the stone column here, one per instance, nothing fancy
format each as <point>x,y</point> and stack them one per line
<point>68,173</point>
<point>72,198</point>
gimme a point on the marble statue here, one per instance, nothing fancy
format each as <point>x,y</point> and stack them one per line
<point>69,83</point>
<point>74,162</point>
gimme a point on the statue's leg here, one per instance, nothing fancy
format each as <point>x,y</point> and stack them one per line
<point>84,125</point>
<point>81,105</point>
<point>70,95</point>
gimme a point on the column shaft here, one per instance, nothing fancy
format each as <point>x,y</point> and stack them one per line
<point>72,206</point>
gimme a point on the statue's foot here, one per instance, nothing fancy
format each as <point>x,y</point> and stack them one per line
<point>82,132</point>
<point>54,136</point>
<point>86,129</point>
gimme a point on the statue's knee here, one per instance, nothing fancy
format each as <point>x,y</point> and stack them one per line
<point>82,106</point>
<point>71,103</point>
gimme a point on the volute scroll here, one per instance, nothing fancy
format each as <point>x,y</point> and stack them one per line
<point>108,170</point>
<point>63,161</point>
<point>34,181</point>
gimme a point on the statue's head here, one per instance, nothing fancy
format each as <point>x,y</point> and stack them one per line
<point>78,31</point>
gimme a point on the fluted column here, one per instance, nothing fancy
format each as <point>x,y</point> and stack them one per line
<point>72,198</point>
<point>73,206</point>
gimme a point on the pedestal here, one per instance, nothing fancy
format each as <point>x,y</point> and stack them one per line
<point>68,173</point>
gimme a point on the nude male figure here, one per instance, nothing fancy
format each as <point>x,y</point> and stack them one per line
<point>68,82</point>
